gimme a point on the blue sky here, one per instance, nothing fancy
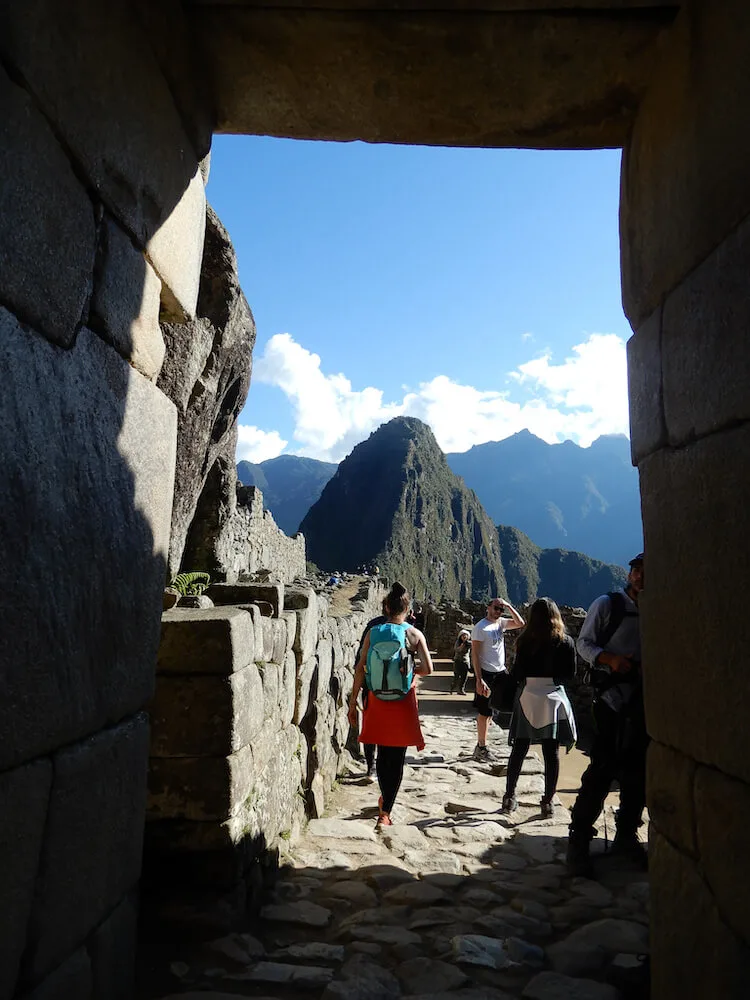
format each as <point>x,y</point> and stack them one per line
<point>477,289</point>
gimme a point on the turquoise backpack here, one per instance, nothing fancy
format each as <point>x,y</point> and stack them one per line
<point>390,666</point>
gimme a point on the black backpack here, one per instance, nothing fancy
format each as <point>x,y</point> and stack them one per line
<point>597,677</point>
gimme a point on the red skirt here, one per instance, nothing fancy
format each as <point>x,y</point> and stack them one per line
<point>392,723</point>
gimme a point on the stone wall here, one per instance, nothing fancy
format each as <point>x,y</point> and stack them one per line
<point>102,213</point>
<point>249,730</point>
<point>685,224</point>
<point>232,537</point>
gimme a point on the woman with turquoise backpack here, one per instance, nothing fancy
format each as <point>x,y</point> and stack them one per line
<point>387,668</point>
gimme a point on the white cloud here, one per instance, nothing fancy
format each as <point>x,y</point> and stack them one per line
<point>255,445</point>
<point>330,416</point>
<point>580,398</point>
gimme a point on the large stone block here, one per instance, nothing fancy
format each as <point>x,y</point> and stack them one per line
<point>307,687</point>
<point>684,179</point>
<point>248,593</point>
<point>276,803</point>
<point>94,75</point>
<point>206,715</point>
<point>176,52</point>
<point>112,949</point>
<point>648,427</point>
<point>125,304</point>
<point>697,534</point>
<point>70,981</point>
<point>47,232</point>
<point>670,796</point>
<point>693,952</point>
<point>324,655</point>
<point>705,353</point>
<point>210,641</point>
<point>88,450</point>
<point>441,76</point>
<point>24,794</point>
<point>287,689</point>
<point>271,674</point>
<point>176,250</point>
<point>722,811</point>
<point>93,840</point>
<point>280,638</point>
<point>201,788</point>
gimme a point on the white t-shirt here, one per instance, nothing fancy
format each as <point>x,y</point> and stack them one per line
<point>492,651</point>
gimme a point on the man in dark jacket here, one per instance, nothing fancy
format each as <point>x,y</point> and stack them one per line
<point>610,642</point>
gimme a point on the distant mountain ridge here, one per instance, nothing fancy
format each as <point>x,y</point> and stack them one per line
<point>290,486</point>
<point>567,577</point>
<point>560,495</point>
<point>394,501</point>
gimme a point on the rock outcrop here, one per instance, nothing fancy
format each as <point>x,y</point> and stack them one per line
<point>206,374</point>
<point>395,502</point>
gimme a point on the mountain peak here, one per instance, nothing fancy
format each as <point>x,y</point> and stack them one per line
<point>395,502</point>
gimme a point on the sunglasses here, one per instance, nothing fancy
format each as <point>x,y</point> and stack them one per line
<point>497,607</point>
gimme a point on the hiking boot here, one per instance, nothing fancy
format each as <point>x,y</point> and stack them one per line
<point>546,808</point>
<point>510,804</point>
<point>578,858</point>
<point>629,847</point>
<point>482,753</point>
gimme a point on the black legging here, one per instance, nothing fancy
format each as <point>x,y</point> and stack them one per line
<point>369,750</point>
<point>551,766</point>
<point>390,768</point>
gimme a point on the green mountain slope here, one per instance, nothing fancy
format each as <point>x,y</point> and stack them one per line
<point>567,577</point>
<point>290,486</point>
<point>395,502</point>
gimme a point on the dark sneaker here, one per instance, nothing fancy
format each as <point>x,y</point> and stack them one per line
<point>482,754</point>
<point>631,849</point>
<point>510,804</point>
<point>578,858</point>
<point>547,809</point>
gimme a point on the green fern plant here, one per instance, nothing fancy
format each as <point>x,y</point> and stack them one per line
<point>191,584</point>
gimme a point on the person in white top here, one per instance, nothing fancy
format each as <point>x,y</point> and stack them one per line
<point>488,660</point>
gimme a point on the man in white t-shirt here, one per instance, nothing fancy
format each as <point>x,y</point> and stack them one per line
<point>488,660</point>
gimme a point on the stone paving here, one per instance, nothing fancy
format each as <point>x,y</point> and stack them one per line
<point>455,901</point>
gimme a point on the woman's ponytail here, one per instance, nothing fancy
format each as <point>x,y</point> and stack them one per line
<point>397,599</point>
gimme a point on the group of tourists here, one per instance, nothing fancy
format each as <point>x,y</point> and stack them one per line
<point>530,701</point>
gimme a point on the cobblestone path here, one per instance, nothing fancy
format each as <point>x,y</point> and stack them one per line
<point>454,902</point>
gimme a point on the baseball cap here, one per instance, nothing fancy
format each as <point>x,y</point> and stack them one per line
<point>636,559</point>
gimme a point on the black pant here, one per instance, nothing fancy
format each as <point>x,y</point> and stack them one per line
<point>619,751</point>
<point>460,672</point>
<point>369,752</point>
<point>390,768</point>
<point>551,766</point>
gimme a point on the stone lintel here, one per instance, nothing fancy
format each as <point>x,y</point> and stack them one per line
<point>441,77</point>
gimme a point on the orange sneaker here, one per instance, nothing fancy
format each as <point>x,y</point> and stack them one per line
<point>384,818</point>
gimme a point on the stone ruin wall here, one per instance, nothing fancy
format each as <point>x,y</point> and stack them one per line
<point>249,731</point>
